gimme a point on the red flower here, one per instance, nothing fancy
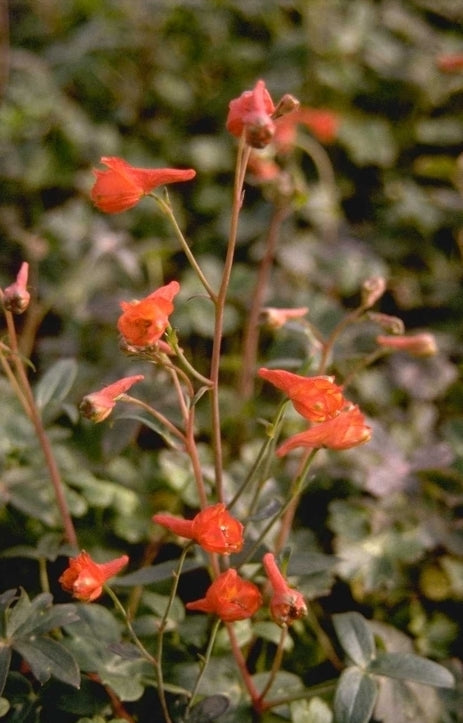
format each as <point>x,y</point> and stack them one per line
<point>324,125</point>
<point>144,322</point>
<point>346,430</point>
<point>230,598</point>
<point>286,604</point>
<point>450,62</point>
<point>99,405</point>
<point>213,528</point>
<point>85,578</point>
<point>415,344</point>
<point>276,317</point>
<point>316,398</point>
<point>124,185</point>
<point>16,296</point>
<point>251,113</point>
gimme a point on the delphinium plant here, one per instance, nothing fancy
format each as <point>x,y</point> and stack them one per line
<point>155,651</point>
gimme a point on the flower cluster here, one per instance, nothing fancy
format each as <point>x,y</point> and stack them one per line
<point>338,424</point>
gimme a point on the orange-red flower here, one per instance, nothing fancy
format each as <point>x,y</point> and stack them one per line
<point>251,113</point>
<point>450,62</point>
<point>85,578</point>
<point>213,528</point>
<point>415,344</point>
<point>316,398</point>
<point>276,317</point>
<point>286,604</point>
<point>346,430</point>
<point>323,123</point>
<point>123,185</point>
<point>230,598</point>
<point>144,322</point>
<point>99,405</point>
<point>16,296</point>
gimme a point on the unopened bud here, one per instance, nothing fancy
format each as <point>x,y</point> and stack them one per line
<point>372,290</point>
<point>259,130</point>
<point>390,324</point>
<point>416,344</point>
<point>286,105</point>
<point>16,296</point>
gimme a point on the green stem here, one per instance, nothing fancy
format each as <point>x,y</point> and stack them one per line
<point>296,489</point>
<point>168,211</point>
<point>349,319</point>
<point>203,665</point>
<point>314,691</point>
<point>262,462</point>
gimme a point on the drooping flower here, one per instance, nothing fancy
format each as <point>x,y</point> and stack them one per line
<point>276,317</point>
<point>415,344</point>
<point>85,578</point>
<point>16,296</point>
<point>346,430</point>
<point>315,398</point>
<point>213,528</point>
<point>143,322</point>
<point>251,113</point>
<point>123,185</point>
<point>230,598</point>
<point>286,604</point>
<point>99,405</point>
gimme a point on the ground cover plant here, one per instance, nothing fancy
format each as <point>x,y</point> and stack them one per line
<point>230,412</point>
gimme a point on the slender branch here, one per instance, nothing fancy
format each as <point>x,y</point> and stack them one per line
<point>275,665</point>
<point>240,170</point>
<point>167,209</point>
<point>154,413</point>
<point>251,334</point>
<point>296,490</point>
<point>203,664</point>
<point>41,434</point>
<point>241,663</point>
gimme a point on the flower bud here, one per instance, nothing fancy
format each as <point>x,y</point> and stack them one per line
<point>390,324</point>
<point>16,296</point>
<point>286,105</point>
<point>372,290</point>
<point>416,344</point>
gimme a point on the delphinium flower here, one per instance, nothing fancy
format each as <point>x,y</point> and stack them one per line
<point>348,429</point>
<point>286,604</point>
<point>316,398</point>
<point>99,405</point>
<point>276,317</point>
<point>415,344</point>
<point>251,113</point>
<point>213,528</point>
<point>143,322</point>
<point>230,598</point>
<point>84,577</point>
<point>122,186</point>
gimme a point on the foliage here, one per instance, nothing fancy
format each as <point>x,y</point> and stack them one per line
<point>375,545</point>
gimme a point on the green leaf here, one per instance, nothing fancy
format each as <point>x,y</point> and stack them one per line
<point>154,573</point>
<point>56,383</point>
<point>5,659</point>
<point>408,666</point>
<point>47,657</point>
<point>355,637</point>
<point>355,696</point>
<point>152,424</point>
<point>18,615</point>
<point>209,709</point>
<point>4,707</point>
